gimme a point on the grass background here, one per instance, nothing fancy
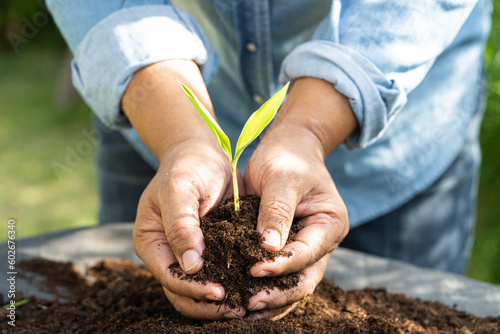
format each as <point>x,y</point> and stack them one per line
<point>35,133</point>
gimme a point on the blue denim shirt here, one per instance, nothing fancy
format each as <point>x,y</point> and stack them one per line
<point>412,71</point>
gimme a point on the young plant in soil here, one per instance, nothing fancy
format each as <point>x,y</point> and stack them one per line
<point>232,246</point>
<point>231,238</point>
<point>253,127</point>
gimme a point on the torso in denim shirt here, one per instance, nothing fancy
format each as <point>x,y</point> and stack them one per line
<point>251,38</point>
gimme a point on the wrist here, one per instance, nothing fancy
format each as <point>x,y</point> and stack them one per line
<point>198,148</point>
<point>294,137</point>
<point>314,107</point>
<point>160,111</point>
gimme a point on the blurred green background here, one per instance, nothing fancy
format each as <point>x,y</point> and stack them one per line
<point>42,124</point>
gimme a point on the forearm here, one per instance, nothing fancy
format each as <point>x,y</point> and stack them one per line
<point>315,108</point>
<point>376,77</point>
<point>160,111</point>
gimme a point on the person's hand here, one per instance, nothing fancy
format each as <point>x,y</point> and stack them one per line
<point>287,171</point>
<point>193,178</point>
<point>292,180</point>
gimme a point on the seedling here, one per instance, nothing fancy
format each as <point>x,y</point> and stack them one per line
<point>253,127</point>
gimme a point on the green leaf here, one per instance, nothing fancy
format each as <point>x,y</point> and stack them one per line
<point>259,120</point>
<point>210,122</point>
<point>253,127</point>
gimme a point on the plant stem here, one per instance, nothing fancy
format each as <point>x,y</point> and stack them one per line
<point>235,189</point>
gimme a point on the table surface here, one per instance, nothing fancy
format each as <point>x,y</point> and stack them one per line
<point>349,269</point>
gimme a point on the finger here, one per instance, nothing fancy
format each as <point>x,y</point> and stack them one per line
<point>274,315</point>
<point>196,290</point>
<point>249,189</point>
<point>241,183</point>
<point>152,248</point>
<point>179,208</point>
<point>203,311</point>
<point>321,235</point>
<point>277,208</point>
<point>309,279</point>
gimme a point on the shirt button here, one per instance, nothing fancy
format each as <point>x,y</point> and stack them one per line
<point>252,47</point>
<point>258,98</point>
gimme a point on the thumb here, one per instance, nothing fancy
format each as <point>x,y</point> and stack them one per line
<point>182,229</point>
<point>276,212</point>
<point>241,183</point>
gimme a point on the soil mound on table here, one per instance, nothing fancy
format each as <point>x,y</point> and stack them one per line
<point>122,297</point>
<point>117,296</point>
<point>232,247</point>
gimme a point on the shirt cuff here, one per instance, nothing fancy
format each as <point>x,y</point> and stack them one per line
<point>127,40</point>
<point>374,99</point>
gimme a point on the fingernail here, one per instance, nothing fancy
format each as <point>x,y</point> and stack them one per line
<point>190,259</point>
<point>231,315</point>
<point>272,238</point>
<point>212,297</point>
<point>263,273</point>
<point>259,306</point>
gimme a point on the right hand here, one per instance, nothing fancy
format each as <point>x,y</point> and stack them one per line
<point>193,177</point>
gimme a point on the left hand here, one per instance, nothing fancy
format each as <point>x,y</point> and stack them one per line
<point>287,171</point>
<point>292,180</point>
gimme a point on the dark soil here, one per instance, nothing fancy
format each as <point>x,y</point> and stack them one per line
<point>124,298</point>
<point>232,247</point>
<point>117,296</point>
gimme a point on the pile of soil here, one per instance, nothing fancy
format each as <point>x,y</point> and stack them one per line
<point>232,247</point>
<point>117,296</point>
<point>122,297</point>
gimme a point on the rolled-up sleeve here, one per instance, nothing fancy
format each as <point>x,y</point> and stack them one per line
<point>377,52</point>
<point>107,53</point>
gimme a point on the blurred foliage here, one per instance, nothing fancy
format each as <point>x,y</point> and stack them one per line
<point>485,261</point>
<point>22,20</point>
<point>35,132</point>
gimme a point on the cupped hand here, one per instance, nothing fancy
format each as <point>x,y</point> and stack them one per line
<point>288,173</point>
<point>193,177</point>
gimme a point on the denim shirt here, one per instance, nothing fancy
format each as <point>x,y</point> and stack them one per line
<point>412,71</point>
